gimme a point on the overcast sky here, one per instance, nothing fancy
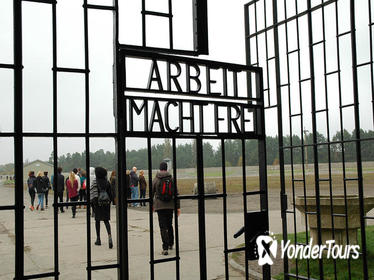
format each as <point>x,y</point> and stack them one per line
<point>226,43</point>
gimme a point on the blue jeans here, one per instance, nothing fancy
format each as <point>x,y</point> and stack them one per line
<point>41,200</point>
<point>134,194</point>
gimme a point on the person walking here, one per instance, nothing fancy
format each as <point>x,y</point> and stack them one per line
<point>82,191</point>
<point>31,188</point>
<point>163,194</point>
<point>127,181</point>
<point>47,183</point>
<point>40,187</point>
<point>134,181</point>
<point>93,191</point>
<point>59,187</point>
<point>112,182</point>
<point>142,186</point>
<point>101,204</point>
<point>72,186</point>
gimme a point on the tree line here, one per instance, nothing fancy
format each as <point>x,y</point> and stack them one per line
<point>186,153</point>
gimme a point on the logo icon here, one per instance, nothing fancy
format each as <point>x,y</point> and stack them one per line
<point>267,247</point>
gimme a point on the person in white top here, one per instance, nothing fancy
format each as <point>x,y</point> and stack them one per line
<point>77,178</point>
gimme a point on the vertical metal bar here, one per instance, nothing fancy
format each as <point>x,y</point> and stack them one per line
<point>262,161</point>
<point>224,190</point>
<point>177,263</point>
<point>291,140</point>
<point>314,125</point>
<point>170,24</point>
<point>55,142</point>
<point>120,114</point>
<point>371,55</point>
<point>151,237</point>
<point>200,26</point>
<point>18,139</point>
<point>201,208</point>
<point>144,28</point>
<point>342,129</point>
<point>87,130</point>
<point>283,194</point>
<point>329,140</point>
<point>302,136</point>
<point>244,182</point>
<point>358,138</point>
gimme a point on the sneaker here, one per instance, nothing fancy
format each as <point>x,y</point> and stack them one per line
<point>37,207</point>
<point>31,208</point>
<point>73,216</point>
<point>165,252</point>
<point>98,242</point>
<point>42,209</point>
<point>110,242</point>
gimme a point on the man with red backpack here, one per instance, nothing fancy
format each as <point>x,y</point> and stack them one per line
<point>164,192</point>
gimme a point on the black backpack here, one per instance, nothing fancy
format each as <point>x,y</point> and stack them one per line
<point>103,198</point>
<point>165,189</point>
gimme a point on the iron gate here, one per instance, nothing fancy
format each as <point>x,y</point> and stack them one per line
<point>249,100</point>
<point>318,63</point>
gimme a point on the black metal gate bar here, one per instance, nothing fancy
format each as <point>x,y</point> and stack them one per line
<point>358,138</point>
<point>244,182</point>
<point>87,139</point>
<point>303,158</point>
<point>326,111</point>
<point>314,128</point>
<point>201,208</point>
<point>151,237</point>
<point>224,201</point>
<point>341,107</point>
<point>18,139</point>
<point>55,142</point>
<point>176,226</point>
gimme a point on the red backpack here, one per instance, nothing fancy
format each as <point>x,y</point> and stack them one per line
<point>165,190</point>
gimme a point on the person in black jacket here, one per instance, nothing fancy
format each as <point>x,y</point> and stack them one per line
<point>40,190</point>
<point>59,187</point>
<point>31,188</point>
<point>47,183</point>
<point>102,211</point>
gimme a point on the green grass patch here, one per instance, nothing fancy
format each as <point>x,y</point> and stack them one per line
<point>301,265</point>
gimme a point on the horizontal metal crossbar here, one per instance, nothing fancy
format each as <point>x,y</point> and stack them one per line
<point>7,207</point>
<point>364,64</point>
<point>344,33</point>
<point>172,92</point>
<point>61,135</point>
<point>157,14</point>
<point>42,1</point>
<point>70,70</point>
<point>174,51</point>
<point>41,275</point>
<point>164,260</point>
<point>100,267</point>
<point>254,193</point>
<point>7,66</point>
<point>235,250</point>
<point>99,7</point>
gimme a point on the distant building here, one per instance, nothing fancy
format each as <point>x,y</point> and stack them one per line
<point>37,166</point>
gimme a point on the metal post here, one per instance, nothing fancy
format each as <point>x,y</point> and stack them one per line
<point>201,208</point>
<point>358,142</point>
<point>18,139</point>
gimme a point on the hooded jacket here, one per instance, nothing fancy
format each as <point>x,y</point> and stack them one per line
<point>157,203</point>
